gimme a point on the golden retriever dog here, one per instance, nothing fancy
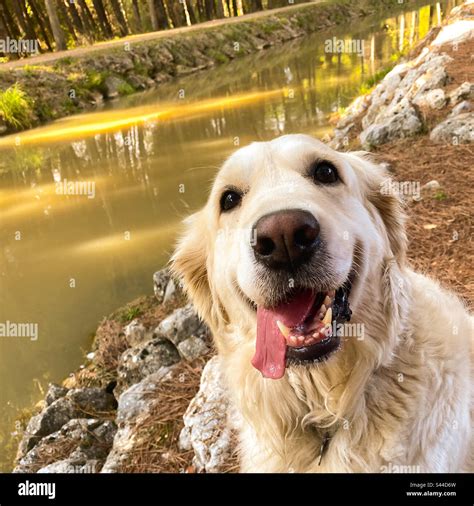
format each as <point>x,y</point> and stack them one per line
<point>338,356</point>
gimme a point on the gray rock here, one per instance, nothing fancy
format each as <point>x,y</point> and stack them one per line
<point>432,79</point>
<point>180,325</point>
<point>136,333</point>
<point>54,393</point>
<point>462,107</point>
<point>89,401</point>
<point>435,99</point>
<point>90,440</point>
<point>398,121</point>
<point>172,292</point>
<point>192,348</point>
<point>139,361</point>
<point>455,130</point>
<point>160,281</point>
<point>77,403</point>
<point>96,97</point>
<point>355,109</point>
<point>138,398</point>
<point>381,97</point>
<point>112,86</point>
<point>70,466</point>
<point>137,82</point>
<point>341,137</point>
<point>206,428</point>
<point>133,405</point>
<point>431,185</point>
<point>124,444</point>
<point>420,79</point>
<point>51,419</point>
<point>464,92</point>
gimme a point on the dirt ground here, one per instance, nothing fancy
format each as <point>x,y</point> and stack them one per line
<point>440,225</point>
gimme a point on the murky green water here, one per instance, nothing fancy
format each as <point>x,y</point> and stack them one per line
<point>66,260</point>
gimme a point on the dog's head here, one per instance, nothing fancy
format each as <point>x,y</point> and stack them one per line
<point>291,234</point>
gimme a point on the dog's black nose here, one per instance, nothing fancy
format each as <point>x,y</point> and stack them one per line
<point>285,239</point>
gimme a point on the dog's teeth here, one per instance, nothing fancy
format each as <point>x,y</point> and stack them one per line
<point>300,339</point>
<point>327,301</point>
<point>293,341</point>
<point>283,328</point>
<point>331,293</point>
<point>322,310</point>
<point>328,318</point>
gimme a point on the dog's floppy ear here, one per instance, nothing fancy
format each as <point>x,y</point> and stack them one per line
<point>387,203</point>
<point>188,264</point>
<point>390,209</point>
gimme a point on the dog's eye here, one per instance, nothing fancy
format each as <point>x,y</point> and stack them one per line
<point>324,173</point>
<point>229,200</point>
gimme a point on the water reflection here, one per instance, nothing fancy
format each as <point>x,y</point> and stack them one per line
<point>66,259</point>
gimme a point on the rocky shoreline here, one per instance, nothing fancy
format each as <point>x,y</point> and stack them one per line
<point>418,96</point>
<point>76,84</point>
<point>150,397</point>
<point>90,423</point>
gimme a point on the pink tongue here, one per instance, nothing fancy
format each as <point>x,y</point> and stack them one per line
<point>270,351</point>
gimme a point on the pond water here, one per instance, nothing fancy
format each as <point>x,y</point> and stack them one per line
<point>145,162</point>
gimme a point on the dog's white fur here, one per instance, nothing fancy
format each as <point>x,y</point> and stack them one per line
<point>401,396</point>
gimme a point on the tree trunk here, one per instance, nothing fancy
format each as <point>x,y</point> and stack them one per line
<point>4,31</point>
<point>153,15</point>
<point>10,29</point>
<point>76,18</point>
<point>103,21</point>
<point>58,34</point>
<point>201,10</point>
<point>192,14</point>
<point>176,12</point>
<point>23,20</point>
<point>162,14</point>
<point>42,23</point>
<point>136,16</point>
<point>119,16</point>
<point>64,16</point>
<point>209,9</point>
<point>87,19</point>
<point>234,7</point>
<point>258,5</point>
<point>219,9</point>
<point>10,24</point>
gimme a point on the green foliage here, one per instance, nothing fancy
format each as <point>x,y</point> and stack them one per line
<point>16,107</point>
<point>270,27</point>
<point>63,62</point>
<point>140,68</point>
<point>44,111</point>
<point>367,85</point>
<point>219,57</point>
<point>125,89</point>
<point>130,313</point>
<point>95,80</point>
<point>440,195</point>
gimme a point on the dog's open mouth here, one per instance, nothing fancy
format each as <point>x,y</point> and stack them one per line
<point>300,330</point>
